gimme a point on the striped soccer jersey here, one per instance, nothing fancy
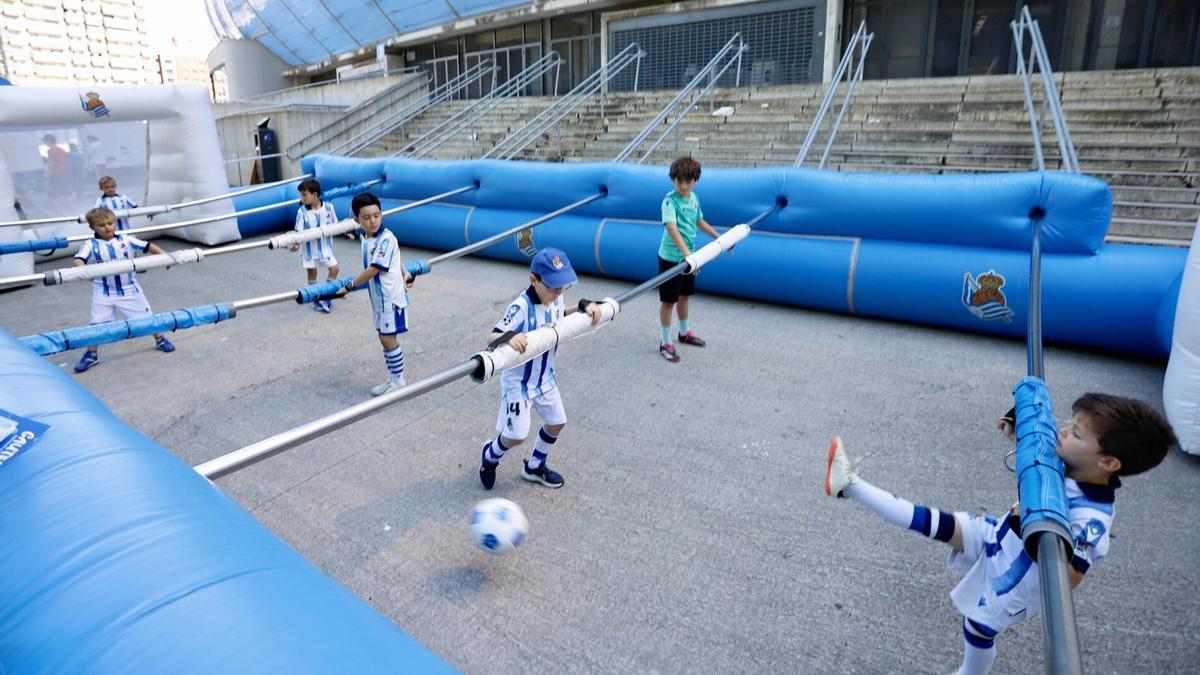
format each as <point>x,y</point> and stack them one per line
<point>1003,584</point>
<point>116,203</point>
<point>535,377</point>
<point>386,288</point>
<point>120,247</point>
<point>307,219</point>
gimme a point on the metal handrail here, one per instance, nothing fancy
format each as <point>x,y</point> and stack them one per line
<point>357,115</point>
<point>862,42</point>
<point>1026,25</point>
<point>444,92</point>
<point>734,42</point>
<point>547,119</point>
<point>464,118</point>
<point>311,85</point>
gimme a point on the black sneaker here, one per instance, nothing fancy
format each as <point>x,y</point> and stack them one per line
<point>543,474</point>
<point>487,470</point>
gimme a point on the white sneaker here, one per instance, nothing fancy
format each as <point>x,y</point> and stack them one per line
<point>838,474</point>
<point>380,390</point>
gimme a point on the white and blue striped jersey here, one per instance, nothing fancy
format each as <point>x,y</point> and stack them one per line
<point>386,288</point>
<point>120,247</point>
<point>536,377</point>
<point>1003,584</point>
<point>306,219</point>
<point>116,203</point>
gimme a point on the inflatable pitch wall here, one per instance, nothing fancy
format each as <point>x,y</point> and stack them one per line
<point>946,250</point>
<point>119,558</point>
<point>180,160</point>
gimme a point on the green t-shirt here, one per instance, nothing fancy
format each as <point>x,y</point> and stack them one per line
<point>685,213</point>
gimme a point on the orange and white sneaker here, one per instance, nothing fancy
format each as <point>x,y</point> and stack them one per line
<point>839,474</point>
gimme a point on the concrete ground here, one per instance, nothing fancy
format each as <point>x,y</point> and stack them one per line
<point>692,534</point>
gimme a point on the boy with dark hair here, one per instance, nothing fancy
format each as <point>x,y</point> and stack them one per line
<point>1108,436</point>
<point>681,215</point>
<point>387,283</point>
<point>314,212</point>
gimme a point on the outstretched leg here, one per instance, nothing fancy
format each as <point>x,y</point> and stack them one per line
<point>842,481</point>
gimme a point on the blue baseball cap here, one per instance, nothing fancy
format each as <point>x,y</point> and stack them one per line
<point>554,268</point>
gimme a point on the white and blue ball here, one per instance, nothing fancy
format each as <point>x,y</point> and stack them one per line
<point>498,525</point>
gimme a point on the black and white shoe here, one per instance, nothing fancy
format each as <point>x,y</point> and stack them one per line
<point>487,470</point>
<point>543,474</point>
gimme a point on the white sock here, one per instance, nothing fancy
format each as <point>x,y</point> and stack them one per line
<point>891,508</point>
<point>977,658</point>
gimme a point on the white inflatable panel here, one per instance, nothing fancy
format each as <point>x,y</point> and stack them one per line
<point>177,146</point>
<point>1181,385</point>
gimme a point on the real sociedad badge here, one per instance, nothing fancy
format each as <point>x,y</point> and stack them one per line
<point>17,434</point>
<point>525,242</point>
<point>92,105</point>
<point>982,296</point>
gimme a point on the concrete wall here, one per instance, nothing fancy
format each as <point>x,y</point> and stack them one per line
<point>250,68</point>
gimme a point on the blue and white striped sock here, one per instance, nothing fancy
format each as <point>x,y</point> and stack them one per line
<point>541,448</point>
<point>395,365</point>
<point>932,523</point>
<point>495,450</point>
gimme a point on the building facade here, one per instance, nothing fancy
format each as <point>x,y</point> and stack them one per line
<point>57,42</point>
<point>790,41</point>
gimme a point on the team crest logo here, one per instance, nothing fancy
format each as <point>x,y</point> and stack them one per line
<point>525,242</point>
<point>983,298</point>
<point>91,104</point>
<point>556,262</point>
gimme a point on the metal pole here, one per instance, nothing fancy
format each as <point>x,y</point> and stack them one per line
<point>262,300</point>
<point>269,447</point>
<point>125,213</point>
<point>24,280</point>
<point>428,200</point>
<point>276,444</point>
<point>1061,644</point>
<point>484,243</point>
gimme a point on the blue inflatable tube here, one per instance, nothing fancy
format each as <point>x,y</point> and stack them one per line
<point>118,558</point>
<point>946,250</point>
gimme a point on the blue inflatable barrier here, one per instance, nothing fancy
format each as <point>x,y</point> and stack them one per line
<point>946,250</point>
<point>1039,470</point>
<point>29,245</point>
<point>114,331</point>
<point>119,558</point>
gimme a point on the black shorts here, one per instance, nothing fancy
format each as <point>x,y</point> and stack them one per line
<point>683,284</point>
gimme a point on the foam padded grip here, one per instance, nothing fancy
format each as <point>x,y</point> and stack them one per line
<point>1039,470</point>
<point>115,331</point>
<point>29,245</point>
<point>417,267</point>
<point>322,291</point>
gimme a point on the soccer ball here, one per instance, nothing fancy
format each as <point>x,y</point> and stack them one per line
<point>498,525</point>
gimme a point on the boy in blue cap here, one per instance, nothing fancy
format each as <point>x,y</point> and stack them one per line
<point>532,384</point>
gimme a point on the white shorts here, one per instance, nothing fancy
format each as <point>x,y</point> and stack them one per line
<point>513,421</point>
<point>975,595</point>
<point>391,323</point>
<point>106,307</point>
<point>327,261</point>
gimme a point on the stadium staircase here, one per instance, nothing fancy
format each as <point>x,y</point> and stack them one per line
<point>1139,130</point>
